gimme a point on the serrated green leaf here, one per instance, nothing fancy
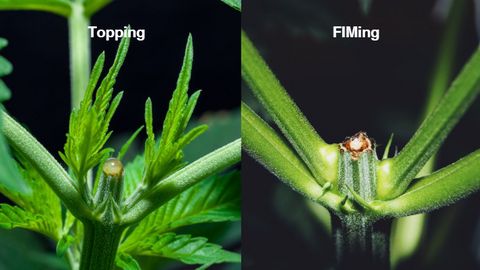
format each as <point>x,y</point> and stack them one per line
<point>236,4</point>
<point>126,262</point>
<point>40,211</point>
<point>190,136</point>
<point>192,101</point>
<point>185,248</point>
<point>166,158</point>
<point>64,244</point>
<point>133,175</point>
<point>88,129</point>
<point>59,7</point>
<point>150,143</point>
<point>15,217</point>
<point>213,200</point>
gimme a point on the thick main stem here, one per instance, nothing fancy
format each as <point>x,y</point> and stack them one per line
<point>79,41</point>
<point>361,243</point>
<point>100,245</point>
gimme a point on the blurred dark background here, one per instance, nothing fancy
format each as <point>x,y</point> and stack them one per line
<point>40,82</point>
<point>344,86</point>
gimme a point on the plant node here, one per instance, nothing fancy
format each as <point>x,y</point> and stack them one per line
<point>357,144</point>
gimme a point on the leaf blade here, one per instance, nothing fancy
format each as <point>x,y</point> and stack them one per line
<point>185,248</point>
<point>216,199</point>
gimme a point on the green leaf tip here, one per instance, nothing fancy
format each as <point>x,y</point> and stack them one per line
<point>165,158</point>
<point>88,129</point>
<point>127,144</point>
<point>387,148</point>
<point>236,4</point>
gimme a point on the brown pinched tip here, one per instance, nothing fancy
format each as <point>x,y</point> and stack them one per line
<point>357,144</point>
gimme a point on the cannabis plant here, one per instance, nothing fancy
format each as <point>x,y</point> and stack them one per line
<point>100,212</point>
<point>362,190</point>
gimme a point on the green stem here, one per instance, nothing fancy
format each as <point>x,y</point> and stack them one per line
<point>288,117</point>
<point>359,243</point>
<point>100,244</point>
<point>396,174</point>
<point>46,165</point>
<point>79,41</point>
<point>178,182</point>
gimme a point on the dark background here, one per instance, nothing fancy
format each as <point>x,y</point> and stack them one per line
<point>40,82</point>
<point>344,86</point>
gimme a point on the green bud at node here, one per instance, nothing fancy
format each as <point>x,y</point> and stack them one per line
<point>111,182</point>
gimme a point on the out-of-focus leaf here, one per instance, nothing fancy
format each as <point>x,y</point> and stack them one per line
<point>93,6</point>
<point>365,5</point>
<point>59,7</point>
<point>3,43</point>
<point>406,237</point>
<point>5,67</point>
<point>236,4</point>
<point>65,242</point>
<point>313,18</point>
<point>21,249</point>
